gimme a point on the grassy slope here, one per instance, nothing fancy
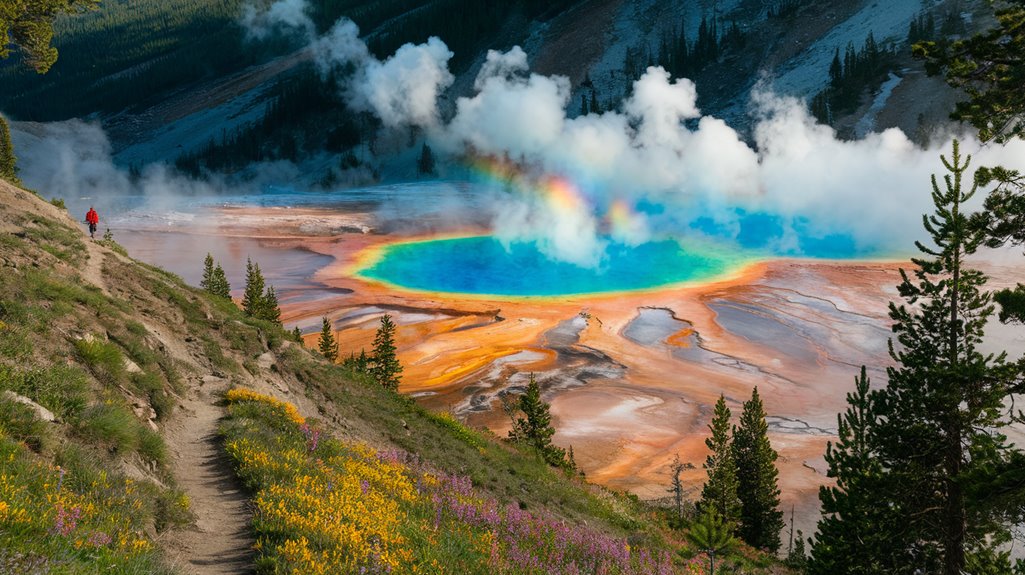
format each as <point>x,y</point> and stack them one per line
<point>63,343</point>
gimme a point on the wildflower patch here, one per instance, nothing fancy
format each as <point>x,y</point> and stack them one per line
<point>324,506</point>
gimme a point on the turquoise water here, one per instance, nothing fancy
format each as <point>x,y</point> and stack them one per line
<point>482,265</point>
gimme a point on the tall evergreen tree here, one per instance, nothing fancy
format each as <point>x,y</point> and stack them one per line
<point>208,273</point>
<point>252,298</point>
<point>270,310</point>
<point>385,367</point>
<point>535,427</point>
<point>859,532</point>
<point>8,163</point>
<point>926,480</point>
<point>761,519</point>
<point>297,334</point>
<point>214,280</point>
<point>720,491</point>
<point>29,25</point>
<point>327,345</point>
<point>990,68</point>
<point>219,283</point>
<point>942,411</point>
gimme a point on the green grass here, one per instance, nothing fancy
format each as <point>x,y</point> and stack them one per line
<point>118,429</point>
<point>19,422</point>
<point>104,360</point>
<point>63,389</point>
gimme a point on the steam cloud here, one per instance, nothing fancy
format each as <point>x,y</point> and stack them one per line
<point>684,171</point>
<point>873,190</point>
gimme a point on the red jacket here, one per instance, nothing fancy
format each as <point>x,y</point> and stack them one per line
<point>92,217</point>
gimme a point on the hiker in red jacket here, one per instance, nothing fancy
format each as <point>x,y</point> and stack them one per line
<point>93,219</point>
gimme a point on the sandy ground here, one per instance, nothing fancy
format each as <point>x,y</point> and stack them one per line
<point>631,377</point>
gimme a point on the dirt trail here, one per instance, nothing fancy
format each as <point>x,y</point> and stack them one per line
<point>221,540</point>
<point>92,271</point>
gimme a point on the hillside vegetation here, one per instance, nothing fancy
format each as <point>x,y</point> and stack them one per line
<point>114,376</point>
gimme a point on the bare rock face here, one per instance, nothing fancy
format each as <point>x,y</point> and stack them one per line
<point>132,367</point>
<point>41,412</point>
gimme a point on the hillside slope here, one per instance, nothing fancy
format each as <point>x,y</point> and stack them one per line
<point>132,366</point>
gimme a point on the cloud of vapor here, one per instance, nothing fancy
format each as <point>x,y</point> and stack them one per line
<point>656,167</point>
<point>693,172</point>
<point>281,15</point>
<point>73,160</point>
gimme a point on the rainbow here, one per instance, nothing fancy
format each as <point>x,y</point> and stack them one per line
<point>559,193</point>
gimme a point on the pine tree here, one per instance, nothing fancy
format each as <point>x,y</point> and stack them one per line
<point>761,519</point>
<point>8,163</point>
<point>219,283</point>
<point>836,71</point>
<point>327,345</point>
<point>941,414</point>
<point>29,26</point>
<point>252,298</point>
<point>720,491</point>
<point>797,558</point>
<point>297,335</point>
<point>208,273</point>
<point>926,480</point>
<point>859,530</point>
<point>712,535</point>
<point>535,427</point>
<point>385,367</point>
<point>269,307</point>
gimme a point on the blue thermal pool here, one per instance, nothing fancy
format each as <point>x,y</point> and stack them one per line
<point>483,265</point>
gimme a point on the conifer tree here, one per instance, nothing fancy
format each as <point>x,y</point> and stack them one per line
<point>327,345</point>
<point>208,273</point>
<point>711,535</point>
<point>535,427</point>
<point>761,519</point>
<point>385,367</point>
<point>269,307</point>
<point>924,473</point>
<point>859,532</point>
<point>720,491</point>
<point>297,334</point>
<point>8,164</point>
<point>214,280</point>
<point>252,298</point>
<point>29,25</point>
<point>942,411</point>
<point>219,283</point>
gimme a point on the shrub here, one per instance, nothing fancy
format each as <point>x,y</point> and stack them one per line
<point>111,424</point>
<point>20,422</point>
<point>104,359</point>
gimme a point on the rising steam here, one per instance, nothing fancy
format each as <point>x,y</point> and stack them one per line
<point>659,150</point>
<point>657,166</point>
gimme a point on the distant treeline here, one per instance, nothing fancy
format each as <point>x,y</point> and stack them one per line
<point>127,52</point>
<point>857,71</point>
<point>681,56</point>
<point>849,76</point>
<point>132,51</point>
<point>304,116</point>
<point>304,104</point>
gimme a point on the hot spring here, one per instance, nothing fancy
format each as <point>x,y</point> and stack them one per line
<point>483,265</point>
